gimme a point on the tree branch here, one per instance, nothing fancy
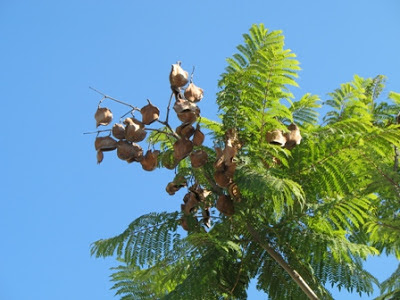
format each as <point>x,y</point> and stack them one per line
<point>281,261</point>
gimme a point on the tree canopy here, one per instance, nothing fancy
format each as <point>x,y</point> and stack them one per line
<point>277,194</point>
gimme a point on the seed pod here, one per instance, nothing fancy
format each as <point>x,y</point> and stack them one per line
<point>134,130</point>
<point>150,113</point>
<point>182,105</point>
<point>293,138</point>
<point>103,116</point>
<point>276,137</point>
<point>222,179</point>
<point>182,148</point>
<point>149,161</point>
<point>201,194</point>
<point>105,143</point>
<point>198,137</point>
<point>234,192</point>
<point>187,116</point>
<point>100,156</point>
<point>178,77</point>
<point>185,130</point>
<point>118,131</point>
<point>191,203</point>
<point>193,93</point>
<point>230,170</point>
<point>174,186</point>
<point>129,151</point>
<point>225,205</point>
<point>198,158</point>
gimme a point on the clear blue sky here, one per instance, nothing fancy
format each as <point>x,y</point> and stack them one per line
<point>55,199</point>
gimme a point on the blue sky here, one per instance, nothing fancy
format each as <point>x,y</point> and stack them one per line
<point>55,199</point>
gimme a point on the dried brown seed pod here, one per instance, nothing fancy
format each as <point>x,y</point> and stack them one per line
<point>172,188</point>
<point>185,130</point>
<point>234,192</point>
<point>198,137</point>
<point>150,113</point>
<point>134,130</point>
<point>129,151</point>
<point>103,116</point>
<point>293,138</point>
<point>222,179</point>
<point>105,143</point>
<point>191,203</point>
<point>225,205</point>
<point>149,161</point>
<point>230,170</point>
<point>100,156</point>
<point>276,137</point>
<point>118,131</point>
<point>183,105</point>
<point>201,194</point>
<point>182,148</point>
<point>178,77</point>
<point>198,158</point>
<point>187,116</point>
<point>193,93</point>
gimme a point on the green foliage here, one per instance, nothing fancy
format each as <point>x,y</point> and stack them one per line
<point>323,207</point>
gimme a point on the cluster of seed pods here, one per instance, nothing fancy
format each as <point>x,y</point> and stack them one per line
<point>125,138</point>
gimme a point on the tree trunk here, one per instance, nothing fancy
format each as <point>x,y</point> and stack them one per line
<point>281,261</point>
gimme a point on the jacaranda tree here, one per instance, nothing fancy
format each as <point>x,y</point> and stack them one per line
<point>274,194</point>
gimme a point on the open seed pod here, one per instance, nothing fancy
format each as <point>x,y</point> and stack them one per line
<point>105,143</point>
<point>185,130</point>
<point>229,153</point>
<point>183,105</point>
<point>103,116</point>
<point>129,151</point>
<point>193,93</point>
<point>175,185</point>
<point>182,148</point>
<point>293,138</point>
<point>222,179</point>
<point>178,77</point>
<point>134,130</point>
<point>118,131</point>
<point>201,194</point>
<point>149,161</point>
<point>198,158</point>
<point>150,113</point>
<point>198,137</point>
<point>191,203</point>
<point>234,192</point>
<point>100,156</point>
<point>225,205</point>
<point>276,137</point>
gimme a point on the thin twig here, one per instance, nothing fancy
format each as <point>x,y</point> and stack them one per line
<point>191,75</point>
<point>113,99</point>
<point>168,107</point>
<point>98,131</point>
